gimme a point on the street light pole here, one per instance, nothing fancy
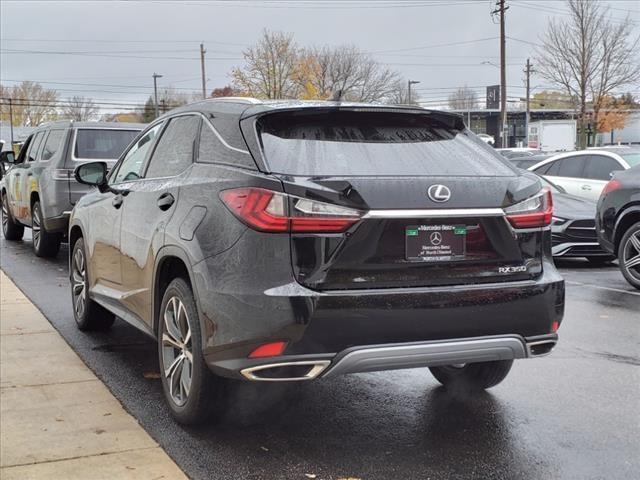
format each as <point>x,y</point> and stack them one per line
<point>409,83</point>
<point>527,71</point>
<point>155,90</point>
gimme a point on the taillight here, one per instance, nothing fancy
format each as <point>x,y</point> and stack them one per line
<point>268,211</point>
<point>536,211</point>
<point>610,187</point>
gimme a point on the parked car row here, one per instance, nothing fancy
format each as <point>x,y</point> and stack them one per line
<point>286,241</point>
<point>39,191</point>
<point>599,231</point>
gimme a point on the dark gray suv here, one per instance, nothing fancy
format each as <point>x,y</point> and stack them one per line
<point>287,241</point>
<point>39,189</point>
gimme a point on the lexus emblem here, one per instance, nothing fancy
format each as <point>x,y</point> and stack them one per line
<point>439,193</point>
<point>435,238</point>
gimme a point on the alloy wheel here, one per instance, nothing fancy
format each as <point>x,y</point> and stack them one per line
<point>36,225</point>
<point>78,282</point>
<point>631,255</point>
<point>5,215</point>
<point>177,355</point>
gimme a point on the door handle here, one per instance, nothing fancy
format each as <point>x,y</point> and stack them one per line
<point>117,201</point>
<point>29,174</point>
<point>586,187</point>
<point>16,174</point>
<point>165,201</point>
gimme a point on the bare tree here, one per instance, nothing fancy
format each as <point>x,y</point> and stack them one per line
<point>588,55</point>
<point>269,68</point>
<point>31,103</point>
<point>327,70</point>
<point>80,109</point>
<point>463,98</point>
<point>400,93</point>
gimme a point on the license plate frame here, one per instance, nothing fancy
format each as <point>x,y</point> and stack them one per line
<point>435,242</point>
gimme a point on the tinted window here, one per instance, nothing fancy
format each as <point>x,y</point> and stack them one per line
<point>548,169</point>
<point>572,166</point>
<point>600,167</point>
<point>52,144</point>
<point>174,152</point>
<point>102,144</point>
<point>131,166</point>
<point>374,143</point>
<point>211,148</point>
<point>33,147</point>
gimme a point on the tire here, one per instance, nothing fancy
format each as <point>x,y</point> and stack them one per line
<point>88,314</point>
<point>472,376</point>
<point>45,244</point>
<point>194,400</point>
<point>629,255</point>
<point>600,261</point>
<point>10,229</point>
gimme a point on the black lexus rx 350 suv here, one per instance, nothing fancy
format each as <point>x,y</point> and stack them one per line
<point>282,241</point>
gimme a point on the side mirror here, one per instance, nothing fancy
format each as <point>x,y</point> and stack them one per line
<point>7,157</point>
<point>94,174</point>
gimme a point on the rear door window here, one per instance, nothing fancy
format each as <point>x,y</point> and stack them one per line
<point>600,167</point>
<point>374,143</point>
<point>101,144</point>
<point>572,167</point>
<point>174,152</point>
<point>52,144</point>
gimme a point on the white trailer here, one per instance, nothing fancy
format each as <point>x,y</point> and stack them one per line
<point>553,135</point>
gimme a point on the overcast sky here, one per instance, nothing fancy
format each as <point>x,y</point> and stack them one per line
<point>94,38</point>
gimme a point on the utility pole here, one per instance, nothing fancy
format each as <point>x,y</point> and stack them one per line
<point>204,78</point>
<point>409,83</point>
<point>11,120</point>
<point>155,90</point>
<point>527,72</point>
<point>504,132</point>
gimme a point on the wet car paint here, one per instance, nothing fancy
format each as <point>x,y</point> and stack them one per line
<point>572,415</point>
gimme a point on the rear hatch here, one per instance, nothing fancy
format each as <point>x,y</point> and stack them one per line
<point>429,197</point>
<point>94,145</point>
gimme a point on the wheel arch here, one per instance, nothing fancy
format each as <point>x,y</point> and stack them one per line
<point>171,262</point>
<point>628,217</point>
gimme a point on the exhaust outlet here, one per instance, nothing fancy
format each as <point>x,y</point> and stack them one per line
<point>286,371</point>
<point>541,348</point>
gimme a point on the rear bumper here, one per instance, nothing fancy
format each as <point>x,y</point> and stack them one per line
<point>392,357</point>
<point>321,326</point>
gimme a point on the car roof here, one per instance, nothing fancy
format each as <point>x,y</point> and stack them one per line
<point>104,125</point>
<point>246,107</point>
<point>612,154</point>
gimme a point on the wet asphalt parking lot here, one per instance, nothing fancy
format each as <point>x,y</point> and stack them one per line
<point>574,414</point>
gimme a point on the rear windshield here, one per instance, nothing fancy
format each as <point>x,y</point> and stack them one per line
<point>93,143</point>
<point>632,159</point>
<point>374,143</point>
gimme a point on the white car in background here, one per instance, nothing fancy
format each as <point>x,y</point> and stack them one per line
<point>584,173</point>
<point>487,138</point>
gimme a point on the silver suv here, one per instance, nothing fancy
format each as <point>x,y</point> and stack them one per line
<point>39,190</point>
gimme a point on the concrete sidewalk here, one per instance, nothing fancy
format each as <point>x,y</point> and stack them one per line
<point>57,420</point>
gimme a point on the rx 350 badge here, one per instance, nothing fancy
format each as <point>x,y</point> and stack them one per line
<point>518,269</point>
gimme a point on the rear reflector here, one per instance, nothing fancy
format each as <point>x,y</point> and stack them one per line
<point>268,350</point>
<point>536,211</point>
<point>267,211</point>
<point>554,326</point>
